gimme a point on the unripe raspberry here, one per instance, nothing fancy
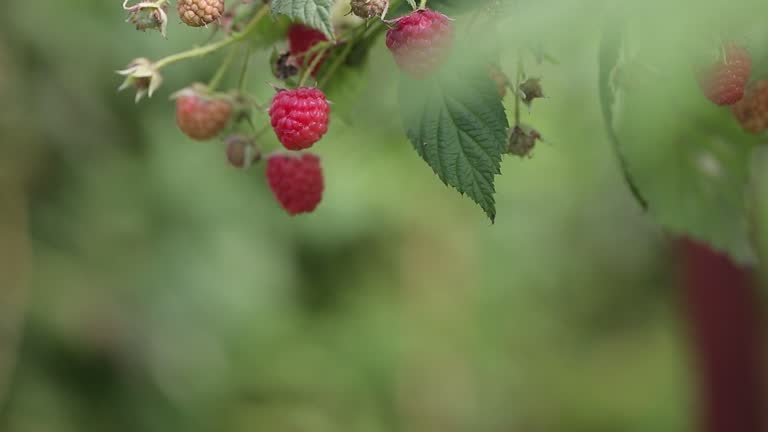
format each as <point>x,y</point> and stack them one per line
<point>752,111</point>
<point>296,181</point>
<point>300,40</point>
<point>300,117</point>
<point>201,116</point>
<point>198,13</point>
<point>241,151</point>
<point>421,42</point>
<point>499,78</point>
<point>531,89</point>
<point>367,9</point>
<point>723,82</point>
<point>284,66</point>
<point>521,143</point>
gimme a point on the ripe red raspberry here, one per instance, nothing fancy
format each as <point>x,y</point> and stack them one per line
<point>723,82</point>
<point>367,9</point>
<point>198,13</point>
<point>200,116</point>
<point>421,42</point>
<point>752,111</point>
<point>300,40</point>
<point>299,117</point>
<point>296,181</point>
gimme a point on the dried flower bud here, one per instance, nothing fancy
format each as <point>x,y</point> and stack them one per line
<point>148,16</point>
<point>142,75</point>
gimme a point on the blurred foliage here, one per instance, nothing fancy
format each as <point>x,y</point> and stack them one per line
<point>165,291</point>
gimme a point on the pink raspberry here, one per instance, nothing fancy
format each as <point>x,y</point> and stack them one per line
<point>724,82</point>
<point>421,42</point>
<point>296,181</point>
<point>201,116</point>
<point>300,117</point>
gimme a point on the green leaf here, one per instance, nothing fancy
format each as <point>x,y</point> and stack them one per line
<point>314,13</point>
<point>688,157</point>
<point>608,60</point>
<point>269,32</point>
<point>457,124</point>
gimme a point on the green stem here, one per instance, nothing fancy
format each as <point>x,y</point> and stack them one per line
<point>262,131</point>
<point>308,71</point>
<point>244,69</point>
<point>207,49</point>
<point>219,75</point>
<point>518,79</point>
<point>341,58</point>
<point>423,4</point>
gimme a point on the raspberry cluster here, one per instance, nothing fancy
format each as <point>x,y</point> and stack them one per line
<point>420,42</point>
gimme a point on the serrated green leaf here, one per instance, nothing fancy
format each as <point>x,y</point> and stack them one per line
<point>457,124</point>
<point>314,13</point>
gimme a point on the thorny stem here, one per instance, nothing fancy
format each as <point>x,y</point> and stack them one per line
<point>219,75</point>
<point>207,49</point>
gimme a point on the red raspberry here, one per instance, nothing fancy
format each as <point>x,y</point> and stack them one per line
<point>299,117</point>
<point>199,116</point>
<point>296,181</point>
<point>300,40</point>
<point>421,42</point>
<point>198,13</point>
<point>752,111</point>
<point>723,82</point>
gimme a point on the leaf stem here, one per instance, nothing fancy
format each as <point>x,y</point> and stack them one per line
<point>423,4</point>
<point>207,49</point>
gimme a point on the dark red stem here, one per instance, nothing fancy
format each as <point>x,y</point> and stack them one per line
<point>723,309</point>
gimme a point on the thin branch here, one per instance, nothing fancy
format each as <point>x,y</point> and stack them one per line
<point>207,49</point>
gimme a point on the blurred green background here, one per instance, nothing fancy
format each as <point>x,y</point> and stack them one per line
<point>147,286</point>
